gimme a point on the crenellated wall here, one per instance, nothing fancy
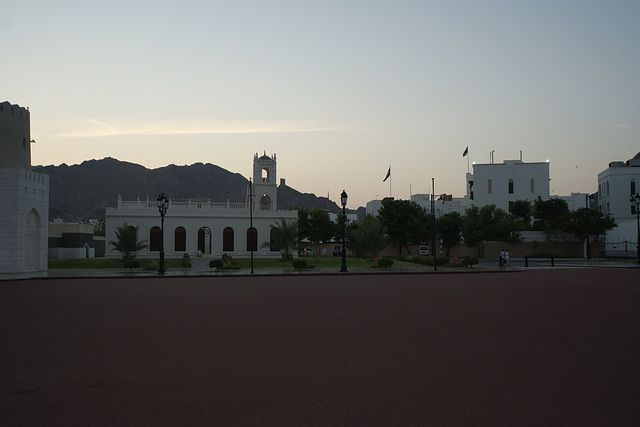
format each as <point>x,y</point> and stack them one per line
<point>15,136</point>
<point>24,197</point>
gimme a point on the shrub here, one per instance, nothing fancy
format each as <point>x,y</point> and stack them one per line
<point>154,264</point>
<point>216,263</point>
<point>469,261</point>
<point>131,264</point>
<point>384,262</point>
<point>186,261</point>
<point>300,264</point>
<point>227,260</point>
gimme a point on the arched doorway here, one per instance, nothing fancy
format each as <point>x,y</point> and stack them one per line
<point>204,240</point>
<point>32,258</point>
<point>228,240</point>
<point>155,239</point>
<point>252,239</point>
<point>180,239</point>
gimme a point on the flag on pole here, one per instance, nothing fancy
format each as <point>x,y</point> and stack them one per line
<point>388,174</point>
<point>466,151</point>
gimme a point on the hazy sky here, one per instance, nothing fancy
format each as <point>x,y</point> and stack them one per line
<point>339,90</point>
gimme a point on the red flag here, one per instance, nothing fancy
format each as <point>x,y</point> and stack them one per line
<point>466,151</point>
<point>388,174</point>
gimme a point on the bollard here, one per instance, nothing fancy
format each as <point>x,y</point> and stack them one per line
<point>553,264</point>
<point>526,261</point>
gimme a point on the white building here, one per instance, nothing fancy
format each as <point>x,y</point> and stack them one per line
<point>24,197</point>
<point>212,228</point>
<point>504,183</point>
<point>616,184</point>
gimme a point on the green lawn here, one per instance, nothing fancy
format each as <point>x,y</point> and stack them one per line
<point>105,263</point>
<point>318,262</point>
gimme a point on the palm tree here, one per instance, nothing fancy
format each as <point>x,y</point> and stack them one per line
<point>284,236</point>
<point>369,239</point>
<point>127,242</point>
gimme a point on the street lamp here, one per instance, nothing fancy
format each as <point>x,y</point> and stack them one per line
<point>586,198</point>
<point>343,200</point>
<point>251,220</point>
<point>163,204</point>
<point>635,205</point>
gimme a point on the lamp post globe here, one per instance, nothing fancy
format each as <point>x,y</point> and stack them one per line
<point>343,200</point>
<point>163,204</point>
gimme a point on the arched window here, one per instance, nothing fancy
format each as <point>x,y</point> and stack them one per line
<point>489,187</point>
<point>533,185</point>
<point>180,239</point>
<point>252,239</point>
<point>155,239</point>
<point>511,186</point>
<point>265,202</point>
<point>227,240</point>
<point>265,174</point>
<point>204,240</point>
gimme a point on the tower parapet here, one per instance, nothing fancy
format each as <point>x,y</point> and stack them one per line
<point>15,136</point>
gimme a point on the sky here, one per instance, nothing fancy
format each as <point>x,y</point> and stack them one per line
<point>340,91</point>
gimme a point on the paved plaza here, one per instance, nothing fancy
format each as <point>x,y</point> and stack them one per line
<point>534,347</point>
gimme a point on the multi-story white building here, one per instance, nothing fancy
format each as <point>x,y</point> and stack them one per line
<point>24,197</point>
<point>504,183</point>
<point>616,184</point>
<point>211,228</point>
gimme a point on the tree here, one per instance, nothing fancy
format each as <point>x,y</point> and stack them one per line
<point>406,222</point>
<point>521,211</point>
<point>551,216</point>
<point>127,242</point>
<point>598,223</point>
<point>303,223</point>
<point>449,228</point>
<point>368,239</point>
<point>487,223</point>
<point>320,226</point>
<point>285,237</point>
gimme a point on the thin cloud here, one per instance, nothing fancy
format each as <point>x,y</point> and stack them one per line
<point>90,128</point>
<point>620,125</point>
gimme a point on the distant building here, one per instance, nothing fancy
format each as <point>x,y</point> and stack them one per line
<point>616,184</point>
<point>501,184</point>
<point>73,240</point>
<point>24,197</point>
<point>213,228</point>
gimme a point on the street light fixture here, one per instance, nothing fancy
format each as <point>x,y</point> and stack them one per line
<point>163,204</point>
<point>635,205</point>
<point>343,200</point>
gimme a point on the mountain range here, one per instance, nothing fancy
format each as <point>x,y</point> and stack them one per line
<point>84,191</point>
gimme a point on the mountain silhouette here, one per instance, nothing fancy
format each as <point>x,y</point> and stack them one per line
<point>84,191</point>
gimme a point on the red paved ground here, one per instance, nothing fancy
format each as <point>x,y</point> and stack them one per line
<point>543,347</point>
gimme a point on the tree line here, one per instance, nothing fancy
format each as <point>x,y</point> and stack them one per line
<point>404,223</point>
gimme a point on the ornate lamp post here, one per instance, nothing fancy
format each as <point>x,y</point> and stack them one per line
<point>251,220</point>
<point>163,204</point>
<point>635,205</point>
<point>586,197</point>
<point>343,200</point>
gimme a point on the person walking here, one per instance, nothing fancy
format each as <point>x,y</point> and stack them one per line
<point>502,258</point>
<point>506,258</point>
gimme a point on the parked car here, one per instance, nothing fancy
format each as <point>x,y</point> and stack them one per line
<point>423,250</point>
<point>337,250</point>
<point>308,252</point>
